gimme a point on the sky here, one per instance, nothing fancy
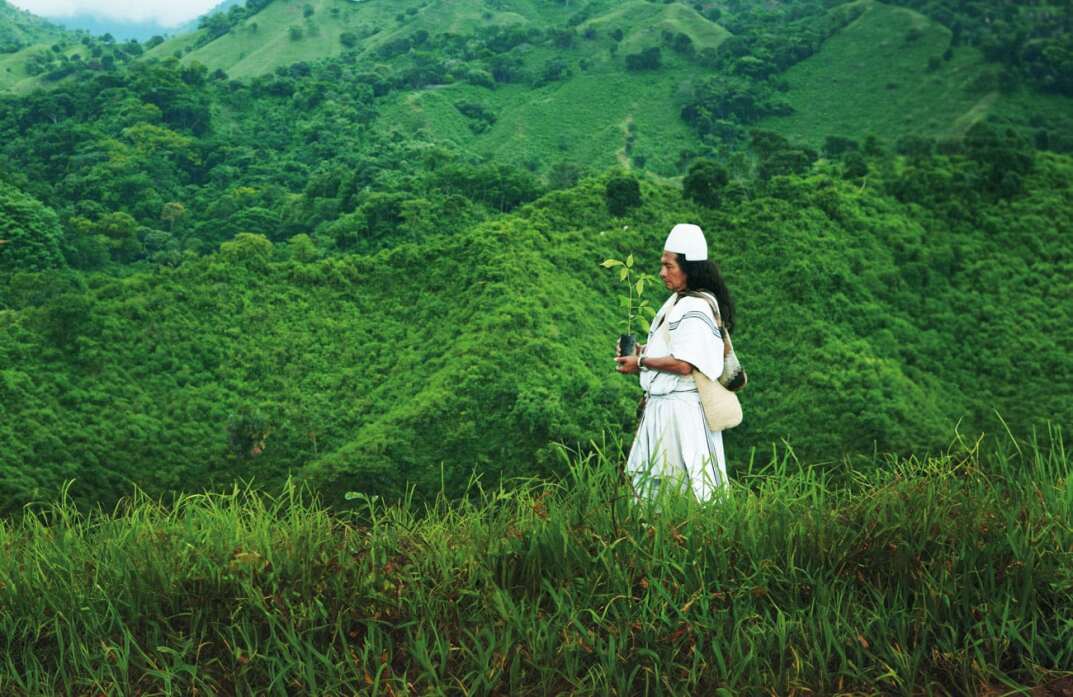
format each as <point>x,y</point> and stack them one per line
<point>168,13</point>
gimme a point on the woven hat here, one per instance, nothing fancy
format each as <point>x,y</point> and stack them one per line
<point>689,240</point>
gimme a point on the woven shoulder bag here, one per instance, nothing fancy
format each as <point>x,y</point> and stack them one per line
<point>722,409</point>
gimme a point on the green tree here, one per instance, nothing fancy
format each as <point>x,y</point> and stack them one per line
<point>30,233</point>
<point>247,249</point>
<point>66,318</point>
<point>704,183</point>
<point>622,193</point>
<point>121,230</point>
<point>301,247</point>
<point>648,59</point>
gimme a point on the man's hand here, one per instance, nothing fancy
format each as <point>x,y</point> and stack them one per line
<point>627,364</point>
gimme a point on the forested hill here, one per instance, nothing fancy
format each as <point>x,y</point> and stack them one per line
<point>19,29</point>
<point>360,241</point>
<point>877,310</point>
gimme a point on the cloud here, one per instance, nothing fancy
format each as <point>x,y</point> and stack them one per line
<point>169,13</point>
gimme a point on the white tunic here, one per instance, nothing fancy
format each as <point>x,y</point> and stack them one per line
<point>673,444</point>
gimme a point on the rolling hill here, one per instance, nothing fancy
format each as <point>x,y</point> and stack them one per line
<point>23,34</point>
<point>242,237</point>
<point>19,29</point>
<point>481,349</point>
<point>889,73</point>
<point>288,31</point>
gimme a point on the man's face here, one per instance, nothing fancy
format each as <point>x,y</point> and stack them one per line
<point>671,273</point>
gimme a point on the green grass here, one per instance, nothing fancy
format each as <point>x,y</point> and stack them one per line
<point>643,24</point>
<point>262,43</point>
<point>13,67</point>
<point>13,75</point>
<point>871,78</point>
<point>585,119</point>
<point>172,45</point>
<point>936,575</point>
<point>247,51</point>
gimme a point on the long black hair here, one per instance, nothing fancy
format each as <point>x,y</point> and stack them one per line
<point>704,275</point>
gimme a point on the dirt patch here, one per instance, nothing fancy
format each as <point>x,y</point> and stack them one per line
<point>623,155</point>
<point>1059,687</point>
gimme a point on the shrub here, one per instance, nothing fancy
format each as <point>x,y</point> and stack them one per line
<point>704,183</point>
<point>622,193</point>
<point>648,59</point>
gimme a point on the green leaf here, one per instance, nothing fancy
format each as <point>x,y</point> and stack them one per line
<point>611,263</point>
<point>623,273</point>
<point>644,324</point>
<point>640,287</point>
<point>651,312</point>
<point>629,262</point>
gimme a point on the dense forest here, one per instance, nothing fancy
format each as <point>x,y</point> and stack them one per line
<point>379,265</point>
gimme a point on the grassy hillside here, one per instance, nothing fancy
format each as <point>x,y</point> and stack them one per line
<point>594,120</point>
<point>16,74</point>
<point>885,74</point>
<point>265,41</point>
<point>890,72</point>
<point>260,44</point>
<point>19,29</point>
<point>24,36</point>
<point>596,116</point>
<point>643,24</point>
<point>933,575</point>
<point>584,117</point>
<point>13,73</point>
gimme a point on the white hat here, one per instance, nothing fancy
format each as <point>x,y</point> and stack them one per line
<point>689,240</point>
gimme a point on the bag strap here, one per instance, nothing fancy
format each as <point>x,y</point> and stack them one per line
<point>728,347</point>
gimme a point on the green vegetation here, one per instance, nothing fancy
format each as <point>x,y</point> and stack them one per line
<point>889,282</point>
<point>321,246</point>
<point>894,315</point>
<point>19,29</point>
<point>939,575</point>
<point>1033,42</point>
<point>29,233</point>
<point>894,72</point>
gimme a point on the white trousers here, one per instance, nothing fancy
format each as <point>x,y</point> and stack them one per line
<point>674,446</point>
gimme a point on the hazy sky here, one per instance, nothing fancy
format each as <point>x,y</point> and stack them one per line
<point>167,12</point>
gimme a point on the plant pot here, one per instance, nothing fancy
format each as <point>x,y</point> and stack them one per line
<point>627,344</point>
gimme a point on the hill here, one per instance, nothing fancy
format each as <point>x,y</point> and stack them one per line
<point>171,232</point>
<point>287,31</point>
<point>554,84</point>
<point>868,324</point>
<point>19,29</point>
<point>284,32</point>
<point>894,72</point>
<point>873,578</point>
<point>24,37</point>
<point>23,71</point>
<point>584,102</point>
<point>561,84</point>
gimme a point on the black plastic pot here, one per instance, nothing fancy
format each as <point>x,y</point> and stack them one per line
<point>627,344</point>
